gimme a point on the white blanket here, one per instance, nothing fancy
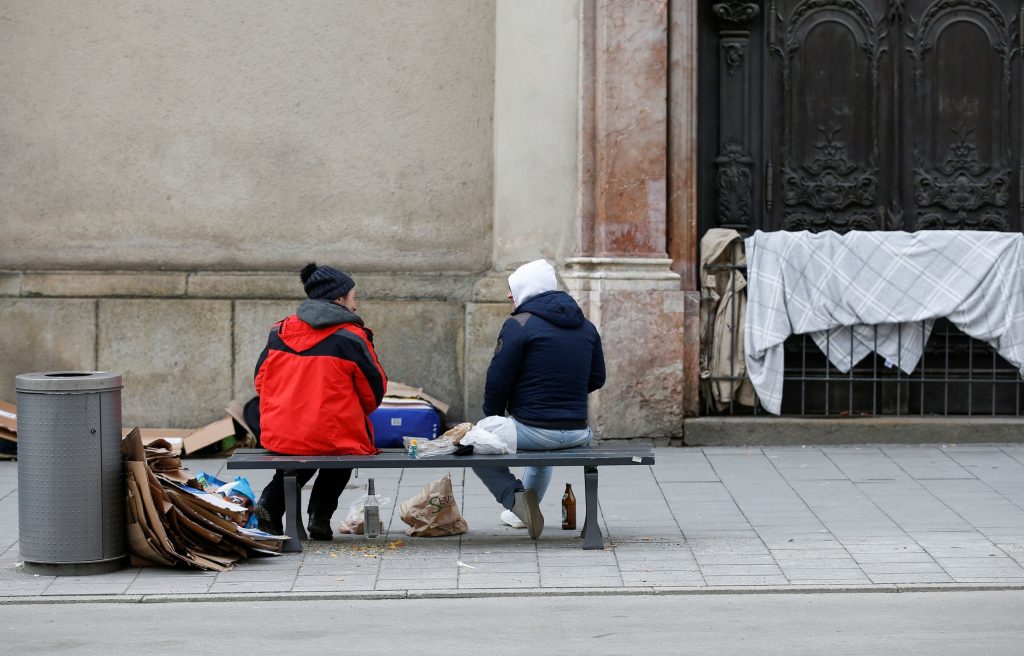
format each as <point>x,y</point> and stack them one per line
<point>843,286</point>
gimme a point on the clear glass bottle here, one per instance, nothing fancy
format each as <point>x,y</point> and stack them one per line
<point>371,514</point>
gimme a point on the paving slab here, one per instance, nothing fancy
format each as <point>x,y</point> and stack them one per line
<point>170,586</point>
<point>663,579</point>
<point>246,575</point>
<point>447,583</point>
<point>333,583</point>
<point>744,580</point>
<point>252,587</point>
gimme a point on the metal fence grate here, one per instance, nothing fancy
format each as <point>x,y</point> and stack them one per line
<point>957,375</point>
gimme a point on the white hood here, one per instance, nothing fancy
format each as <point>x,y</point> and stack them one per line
<point>531,279</point>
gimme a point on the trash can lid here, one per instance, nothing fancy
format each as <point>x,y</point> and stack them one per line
<point>67,381</point>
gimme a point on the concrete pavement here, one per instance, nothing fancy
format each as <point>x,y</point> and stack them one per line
<point>713,519</point>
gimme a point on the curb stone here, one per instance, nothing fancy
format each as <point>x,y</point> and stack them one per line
<point>510,592</point>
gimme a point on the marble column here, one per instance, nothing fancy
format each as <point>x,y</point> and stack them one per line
<point>682,146</point>
<point>682,168</point>
<point>624,109</point>
<point>622,273</point>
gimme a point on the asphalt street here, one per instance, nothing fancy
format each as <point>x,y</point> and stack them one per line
<point>932,623</point>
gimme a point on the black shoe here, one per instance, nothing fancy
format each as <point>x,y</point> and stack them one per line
<point>265,522</point>
<point>320,528</point>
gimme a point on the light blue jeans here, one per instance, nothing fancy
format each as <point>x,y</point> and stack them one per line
<point>500,481</point>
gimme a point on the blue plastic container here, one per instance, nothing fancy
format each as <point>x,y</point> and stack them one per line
<point>407,418</point>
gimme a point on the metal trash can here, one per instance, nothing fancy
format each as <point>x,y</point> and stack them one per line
<point>70,476</point>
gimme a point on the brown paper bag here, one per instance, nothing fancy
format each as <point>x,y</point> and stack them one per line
<point>433,512</point>
<point>456,433</point>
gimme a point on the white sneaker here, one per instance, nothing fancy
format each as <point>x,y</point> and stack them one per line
<point>510,518</point>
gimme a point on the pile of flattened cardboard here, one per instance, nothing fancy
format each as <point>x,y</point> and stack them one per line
<point>8,431</point>
<point>173,522</point>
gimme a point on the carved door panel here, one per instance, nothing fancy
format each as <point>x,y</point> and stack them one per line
<point>828,104</point>
<point>962,114</point>
<point>866,115</point>
<point>861,114</point>
<point>894,114</point>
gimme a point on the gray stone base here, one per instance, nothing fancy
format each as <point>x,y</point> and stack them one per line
<point>187,342</point>
<point>637,306</point>
<point>75,569</point>
<point>755,431</point>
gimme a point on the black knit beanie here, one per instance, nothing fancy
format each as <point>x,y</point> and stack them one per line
<point>324,282</point>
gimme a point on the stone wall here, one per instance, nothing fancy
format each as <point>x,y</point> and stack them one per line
<point>187,343</point>
<point>167,167</point>
<point>536,104</point>
<point>224,135</point>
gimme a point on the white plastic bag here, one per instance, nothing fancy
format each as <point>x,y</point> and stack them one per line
<point>354,520</point>
<point>492,436</point>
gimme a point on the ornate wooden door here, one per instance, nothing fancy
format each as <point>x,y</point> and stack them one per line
<point>868,115</point>
<point>829,96</point>
<point>862,114</point>
<point>962,117</point>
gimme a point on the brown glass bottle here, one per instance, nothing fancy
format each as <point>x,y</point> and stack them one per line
<point>568,508</point>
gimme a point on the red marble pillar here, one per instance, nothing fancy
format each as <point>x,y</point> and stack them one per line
<point>682,173</point>
<point>623,121</point>
<point>622,273</point>
<point>682,142</point>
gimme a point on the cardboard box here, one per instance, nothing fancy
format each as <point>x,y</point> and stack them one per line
<point>207,435</point>
<point>173,436</point>
<point>236,411</point>
<point>401,390</point>
<point>8,422</point>
<point>185,441</point>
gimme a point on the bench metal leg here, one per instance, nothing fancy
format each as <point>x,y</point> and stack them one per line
<point>591,534</point>
<point>293,514</point>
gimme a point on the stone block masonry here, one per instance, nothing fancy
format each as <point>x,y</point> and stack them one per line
<point>187,342</point>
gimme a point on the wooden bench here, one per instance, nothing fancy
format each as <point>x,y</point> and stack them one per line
<point>589,457</point>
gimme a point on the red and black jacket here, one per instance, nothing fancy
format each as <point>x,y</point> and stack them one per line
<point>318,380</point>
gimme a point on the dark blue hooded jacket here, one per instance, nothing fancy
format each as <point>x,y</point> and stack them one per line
<point>547,360</point>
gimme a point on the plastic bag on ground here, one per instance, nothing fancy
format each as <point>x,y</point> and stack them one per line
<point>492,436</point>
<point>237,491</point>
<point>353,522</point>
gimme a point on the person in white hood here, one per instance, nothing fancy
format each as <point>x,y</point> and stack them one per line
<point>531,279</point>
<point>547,360</point>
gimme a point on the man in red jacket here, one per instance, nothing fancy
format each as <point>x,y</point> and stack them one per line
<point>318,380</point>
